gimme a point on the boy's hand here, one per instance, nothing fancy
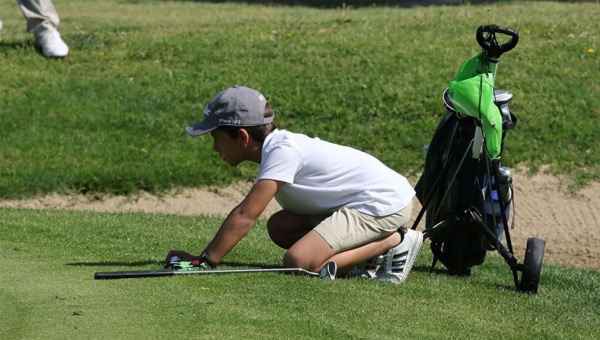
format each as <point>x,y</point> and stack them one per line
<point>181,260</point>
<point>188,265</point>
<point>182,255</point>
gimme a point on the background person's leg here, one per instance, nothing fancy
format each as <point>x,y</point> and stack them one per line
<point>42,21</point>
<point>40,15</point>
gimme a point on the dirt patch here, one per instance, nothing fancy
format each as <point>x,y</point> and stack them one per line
<point>568,222</point>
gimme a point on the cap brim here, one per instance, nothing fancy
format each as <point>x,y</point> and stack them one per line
<point>200,128</point>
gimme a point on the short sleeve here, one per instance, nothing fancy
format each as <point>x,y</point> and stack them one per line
<point>281,163</point>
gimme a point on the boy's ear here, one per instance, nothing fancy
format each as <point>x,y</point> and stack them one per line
<point>244,136</point>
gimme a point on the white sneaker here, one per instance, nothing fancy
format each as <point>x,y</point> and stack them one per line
<point>367,269</point>
<point>52,44</point>
<point>398,261</point>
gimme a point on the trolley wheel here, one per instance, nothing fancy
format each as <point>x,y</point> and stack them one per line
<point>532,265</point>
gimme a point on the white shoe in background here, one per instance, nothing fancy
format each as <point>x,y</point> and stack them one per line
<point>52,44</point>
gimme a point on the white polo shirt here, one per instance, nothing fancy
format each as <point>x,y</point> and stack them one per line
<point>323,177</point>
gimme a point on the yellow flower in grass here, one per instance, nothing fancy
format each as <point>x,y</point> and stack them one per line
<point>591,50</point>
<point>288,35</point>
<point>101,53</point>
<point>549,41</point>
<point>527,31</point>
<point>144,150</point>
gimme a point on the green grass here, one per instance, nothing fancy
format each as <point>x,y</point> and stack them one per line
<point>370,78</point>
<point>48,292</point>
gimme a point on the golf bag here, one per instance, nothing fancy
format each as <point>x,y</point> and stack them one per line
<point>464,189</point>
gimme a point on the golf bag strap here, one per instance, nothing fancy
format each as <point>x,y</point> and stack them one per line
<point>436,249</point>
<point>444,258</point>
<point>445,157</point>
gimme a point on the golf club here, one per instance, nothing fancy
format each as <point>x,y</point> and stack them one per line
<point>328,272</point>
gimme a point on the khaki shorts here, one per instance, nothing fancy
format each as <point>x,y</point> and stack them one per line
<point>348,228</point>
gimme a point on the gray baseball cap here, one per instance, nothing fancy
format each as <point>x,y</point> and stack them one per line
<point>236,106</point>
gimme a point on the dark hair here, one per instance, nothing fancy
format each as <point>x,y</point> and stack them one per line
<point>258,132</point>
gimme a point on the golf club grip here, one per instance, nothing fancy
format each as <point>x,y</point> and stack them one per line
<point>132,274</point>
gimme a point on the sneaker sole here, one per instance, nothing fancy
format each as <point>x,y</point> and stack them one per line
<point>364,272</point>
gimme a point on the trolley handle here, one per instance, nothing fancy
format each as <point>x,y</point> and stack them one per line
<point>491,46</point>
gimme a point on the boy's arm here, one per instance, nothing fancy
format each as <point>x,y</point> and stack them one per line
<point>242,218</point>
<point>237,224</point>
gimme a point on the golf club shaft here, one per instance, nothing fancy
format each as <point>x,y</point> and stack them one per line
<point>161,273</point>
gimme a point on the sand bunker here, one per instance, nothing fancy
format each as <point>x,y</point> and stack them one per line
<point>568,222</point>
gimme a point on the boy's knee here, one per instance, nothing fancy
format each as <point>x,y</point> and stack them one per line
<point>273,222</point>
<point>293,260</point>
<point>274,228</point>
<point>285,228</point>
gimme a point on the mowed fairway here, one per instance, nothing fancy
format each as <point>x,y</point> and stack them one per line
<point>109,119</point>
<point>48,291</point>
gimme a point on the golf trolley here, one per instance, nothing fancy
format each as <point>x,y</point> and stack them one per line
<point>465,189</point>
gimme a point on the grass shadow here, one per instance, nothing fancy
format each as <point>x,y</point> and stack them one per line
<point>161,264</point>
<point>505,287</point>
<point>427,269</point>
<point>114,264</point>
<point>444,272</point>
<point>17,44</point>
<point>6,46</point>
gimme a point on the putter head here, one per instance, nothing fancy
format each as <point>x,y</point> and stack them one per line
<point>329,271</point>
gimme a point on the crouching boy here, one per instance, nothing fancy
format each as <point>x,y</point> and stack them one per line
<point>339,204</point>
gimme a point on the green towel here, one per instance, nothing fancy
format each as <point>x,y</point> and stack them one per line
<point>472,93</point>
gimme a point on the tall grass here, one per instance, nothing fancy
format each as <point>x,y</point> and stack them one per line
<point>110,118</point>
